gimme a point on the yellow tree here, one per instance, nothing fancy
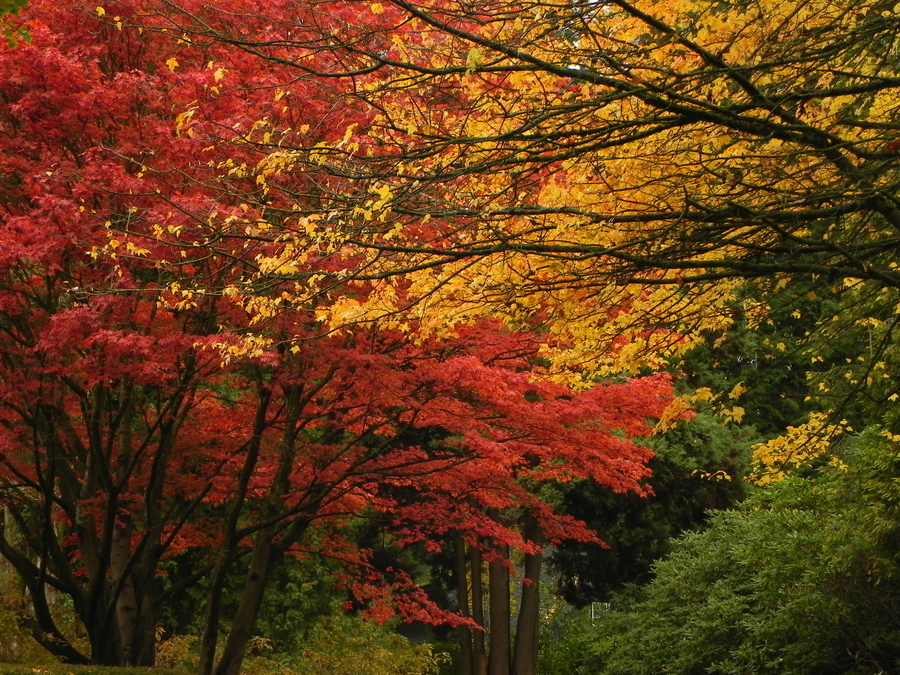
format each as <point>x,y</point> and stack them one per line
<point>617,169</point>
<point>568,157</point>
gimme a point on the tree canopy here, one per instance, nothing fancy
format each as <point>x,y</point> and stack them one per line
<point>573,157</point>
<point>265,266</point>
<point>150,410</point>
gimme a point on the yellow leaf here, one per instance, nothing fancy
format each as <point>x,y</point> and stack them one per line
<point>376,7</point>
<point>219,74</point>
<point>172,64</point>
<point>736,414</point>
<point>474,60</point>
<point>738,391</point>
<point>100,11</point>
<point>703,394</point>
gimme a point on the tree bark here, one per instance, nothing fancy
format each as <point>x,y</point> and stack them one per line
<point>527,627</point>
<point>127,617</point>
<point>498,599</point>
<point>466,664</point>
<point>248,607</point>
<point>479,654</point>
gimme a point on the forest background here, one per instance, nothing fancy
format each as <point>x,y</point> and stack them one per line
<point>320,313</point>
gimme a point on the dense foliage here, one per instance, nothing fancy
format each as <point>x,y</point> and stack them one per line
<point>699,466</point>
<point>802,579</point>
<point>158,443</point>
<point>278,276</point>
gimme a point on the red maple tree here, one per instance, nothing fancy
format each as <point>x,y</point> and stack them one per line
<point>140,419</point>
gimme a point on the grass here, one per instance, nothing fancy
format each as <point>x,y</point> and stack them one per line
<point>62,669</point>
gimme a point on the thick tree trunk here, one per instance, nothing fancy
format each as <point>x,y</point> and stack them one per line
<point>526,650</point>
<point>145,656</point>
<point>126,614</point>
<point>479,654</point>
<point>498,599</point>
<point>466,664</point>
<point>127,617</point>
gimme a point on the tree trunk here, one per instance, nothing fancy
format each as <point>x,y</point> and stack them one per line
<point>466,664</point>
<point>265,551</point>
<point>126,610</point>
<point>146,656</point>
<point>210,636</point>
<point>525,657</point>
<point>127,616</point>
<point>479,655</point>
<point>498,599</point>
<point>248,607</point>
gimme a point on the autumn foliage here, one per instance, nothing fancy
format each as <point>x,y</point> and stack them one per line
<point>266,268</point>
<point>624,168</point>
<point>172,381</point>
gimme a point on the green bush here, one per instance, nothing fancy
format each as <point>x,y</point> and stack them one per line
<point>347,645</point>
<point>337,645</point>
<point>803,580</point>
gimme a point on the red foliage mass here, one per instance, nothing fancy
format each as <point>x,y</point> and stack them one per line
<point>117,414</point>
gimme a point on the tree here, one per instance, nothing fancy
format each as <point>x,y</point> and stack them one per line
<point>11,8</point>
<point>486,525</point>
<point>149,407</point>
<point>704,464</point>
<point>568,159</point>
<point>699,467</point>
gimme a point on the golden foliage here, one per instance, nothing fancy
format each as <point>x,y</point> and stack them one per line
<point>797,447</point>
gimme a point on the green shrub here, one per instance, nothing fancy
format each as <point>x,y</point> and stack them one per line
<point>348,645</point>
<point>803,580</point>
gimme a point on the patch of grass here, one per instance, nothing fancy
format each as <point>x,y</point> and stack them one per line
<point>63,669</point>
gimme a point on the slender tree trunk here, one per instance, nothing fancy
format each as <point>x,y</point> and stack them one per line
<point>466,664</point>
<point>527,627</point>
<point>479,655</point>
<point>264,550</point>
<point>248,607</point>
<point>498,599</point>
<point>39,622</point>
<point>210,636</point>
